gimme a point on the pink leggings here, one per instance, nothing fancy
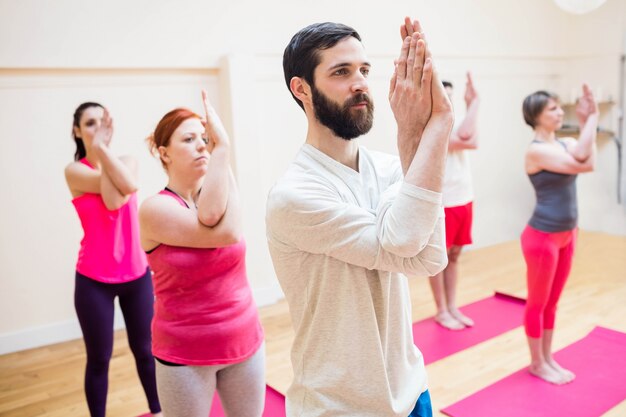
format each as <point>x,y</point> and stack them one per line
<point>548,263</point>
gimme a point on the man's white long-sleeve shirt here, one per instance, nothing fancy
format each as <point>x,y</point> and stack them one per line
<point>340,240</point>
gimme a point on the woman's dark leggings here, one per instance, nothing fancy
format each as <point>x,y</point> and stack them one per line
<point>94,306</point>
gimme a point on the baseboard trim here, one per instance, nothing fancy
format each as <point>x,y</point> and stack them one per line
<point>64,331</point>
<point>49,334</point>
<point>268,295</point>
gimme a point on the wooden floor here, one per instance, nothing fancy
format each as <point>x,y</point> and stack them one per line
<point>48,381</point>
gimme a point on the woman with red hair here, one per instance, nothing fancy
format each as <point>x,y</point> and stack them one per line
<point>206,333</point>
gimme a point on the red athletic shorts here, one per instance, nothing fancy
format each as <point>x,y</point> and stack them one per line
<point>458,225</point>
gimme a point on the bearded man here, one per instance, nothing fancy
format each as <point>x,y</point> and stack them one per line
<point>345,225</point>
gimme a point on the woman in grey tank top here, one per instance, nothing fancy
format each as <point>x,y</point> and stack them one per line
<point>549,239</point>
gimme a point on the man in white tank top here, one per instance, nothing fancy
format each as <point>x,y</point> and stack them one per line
<point>457,200</point>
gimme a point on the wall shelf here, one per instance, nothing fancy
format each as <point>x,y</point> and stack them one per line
<point>607,122</point>
<point>574,131</point>
<point>609,127</point>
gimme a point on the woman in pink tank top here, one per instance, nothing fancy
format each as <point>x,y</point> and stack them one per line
<point>206,334</point>
<point>111,262</point>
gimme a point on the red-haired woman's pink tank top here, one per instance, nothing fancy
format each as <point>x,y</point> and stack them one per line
<point>204,313</point>
<point>110,250</point>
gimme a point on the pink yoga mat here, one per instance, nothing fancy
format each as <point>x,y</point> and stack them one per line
<point>274,405</point>
<point>493,316</point>
<point>599,362</point>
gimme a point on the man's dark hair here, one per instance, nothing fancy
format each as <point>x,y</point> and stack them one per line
<point>301,55</point>
<point>447,84</point>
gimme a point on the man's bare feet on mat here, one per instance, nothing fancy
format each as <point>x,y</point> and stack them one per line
<point>456,313</point>
<point>445,319</point>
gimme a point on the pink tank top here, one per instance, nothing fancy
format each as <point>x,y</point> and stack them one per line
<point>204,313</point>
<point>110,250</point>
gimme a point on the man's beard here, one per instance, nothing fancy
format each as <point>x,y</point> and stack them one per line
<point>340,119</point>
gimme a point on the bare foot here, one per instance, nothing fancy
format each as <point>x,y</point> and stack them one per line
<point>456,313</point>
<point>547,373</point>
<point>568,375</point>
<point>446,320</point>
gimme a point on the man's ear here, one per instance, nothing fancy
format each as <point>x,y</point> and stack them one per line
<point>301,89</point>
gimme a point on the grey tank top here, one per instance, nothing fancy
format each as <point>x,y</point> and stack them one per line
<point>557,207</point>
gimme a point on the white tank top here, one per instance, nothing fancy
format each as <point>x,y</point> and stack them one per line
<point>457,184</point>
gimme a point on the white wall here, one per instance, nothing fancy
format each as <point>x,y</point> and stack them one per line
<point>143,58</point>
<point>40,230</point>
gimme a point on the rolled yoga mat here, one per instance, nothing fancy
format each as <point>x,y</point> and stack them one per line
<point>599,362</point>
